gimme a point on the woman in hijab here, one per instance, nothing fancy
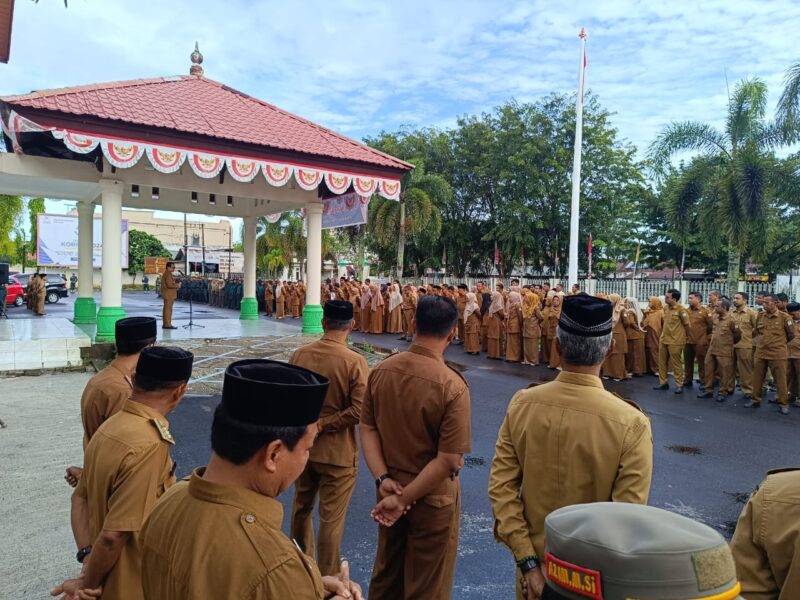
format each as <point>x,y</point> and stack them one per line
<point>487,302</point>
<point>376,309</point>
<point>652,324</point>
<point>365,309</point>
<point>514,328</point>
<point>472,325</point>
<point>614,365</point>
<point>531,327</point>
<point>279,300</point>
<point>395,323</point>
<point>552,325</point>
<point>497,317</point>
<point>634,359</point>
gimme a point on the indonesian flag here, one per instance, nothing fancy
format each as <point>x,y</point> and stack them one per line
<point>589,250</point>
<point>496,254</point>
<point>583,36</point>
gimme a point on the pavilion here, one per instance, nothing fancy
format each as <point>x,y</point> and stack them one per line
<point>185,144</point>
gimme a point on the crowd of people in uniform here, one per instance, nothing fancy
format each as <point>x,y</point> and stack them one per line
<point>569,480</point>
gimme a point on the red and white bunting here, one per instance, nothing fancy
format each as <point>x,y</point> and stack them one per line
<point>390,189</point>
<point>81,144</point>
<point>206,165</point>
<point>242,169</point>
<point>365,186</point>
<point>122,154</point>
<point>308,179</point>
<point>276,174</point>
<point>165,160</point>
<point>337,182</point>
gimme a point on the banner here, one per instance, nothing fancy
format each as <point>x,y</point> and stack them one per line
<point>57,241</point>
<point>345,210</point>
<point>155,265</point>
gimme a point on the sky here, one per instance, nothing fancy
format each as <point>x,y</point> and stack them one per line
<point>365,66</point>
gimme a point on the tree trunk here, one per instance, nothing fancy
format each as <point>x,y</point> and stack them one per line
<point>733,266</point>
<point>401,242</point>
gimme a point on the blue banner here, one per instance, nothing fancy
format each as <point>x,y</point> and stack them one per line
<point>344,211</point>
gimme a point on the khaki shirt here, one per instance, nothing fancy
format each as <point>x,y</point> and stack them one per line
<point>461,304</point>
<point>347,371</point>
<point>169,287</point>
<point>127,467</point>
<point>774,332</point>
<point>746,320</point>
<point>766,544</point>
<point>675,318</point>
<point>103,396</point>
<point>431,400</point>
<point>514,320</point>
<point>561,443</point>
<point>723,335</point>
<point>700,324</point>
<point>207,540</point>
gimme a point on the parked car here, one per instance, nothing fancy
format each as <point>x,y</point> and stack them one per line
<point>16,292</point>
<point>56,285</point>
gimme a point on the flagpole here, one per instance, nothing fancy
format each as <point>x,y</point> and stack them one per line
<point>576,167</point>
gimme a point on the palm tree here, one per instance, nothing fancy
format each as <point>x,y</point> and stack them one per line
<point>416,214</point>
<point>732,179</point>
<point>789,105</point>
<point>285,237</point>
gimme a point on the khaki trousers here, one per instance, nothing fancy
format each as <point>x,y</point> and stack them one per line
<point>692,352</point>
<point>408,318</point>
<point>166,314</point>
<point>335,487</point>
<point>778,369</point>
<point>794,377</point>
<point>669,359</point>
<point>416,556</point>
<point>743,365</point>
<point>461,330</point>
<point>484,338</point>
<point>722,367</point>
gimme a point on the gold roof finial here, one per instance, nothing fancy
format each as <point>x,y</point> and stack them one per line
<point>197,60</point>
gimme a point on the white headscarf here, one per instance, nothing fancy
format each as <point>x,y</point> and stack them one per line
<point>497,303</point>
<point>395,297</point>
<point>472,305</point>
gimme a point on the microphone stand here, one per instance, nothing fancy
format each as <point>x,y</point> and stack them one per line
<point>191,322</point>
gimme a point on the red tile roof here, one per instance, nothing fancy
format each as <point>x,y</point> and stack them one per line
<point>6,19</point>
<point>201,106</point>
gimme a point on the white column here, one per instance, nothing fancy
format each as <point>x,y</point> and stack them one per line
<point>249,257</point>
<point>314,253</point>
<point>112,243</point>
<point>85,248</point>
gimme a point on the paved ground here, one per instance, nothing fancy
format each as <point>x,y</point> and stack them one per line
<point>707,458</point>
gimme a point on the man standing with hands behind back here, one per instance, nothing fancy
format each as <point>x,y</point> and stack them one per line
<point>169,292</point>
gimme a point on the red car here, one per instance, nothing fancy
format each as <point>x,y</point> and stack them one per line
<point>16,293</point>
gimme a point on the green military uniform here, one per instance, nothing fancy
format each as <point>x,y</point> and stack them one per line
<point>616,551</point>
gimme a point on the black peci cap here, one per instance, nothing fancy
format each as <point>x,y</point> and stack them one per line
<point>338,310</point>
<point>135,329</point>
<point>272,393</point>
<point>586,316</point>
<point>165,363</point>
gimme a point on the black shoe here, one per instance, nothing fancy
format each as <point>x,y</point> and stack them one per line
<point>687,384</point>
<point>772,400</point>
<point>705,395</point>
<point>722,397</point>
<point>748,396</point>
<point>753,404</point>
<point>402,339</point>
<point>678,391</point>
<point>661,387</point>
<point>169,327</point>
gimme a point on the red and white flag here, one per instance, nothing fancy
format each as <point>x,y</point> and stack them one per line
<point>583,36</point>
<point>496,254</point>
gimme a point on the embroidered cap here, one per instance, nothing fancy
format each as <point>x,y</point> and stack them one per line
<point>613,550</point>
<point>586,316</point>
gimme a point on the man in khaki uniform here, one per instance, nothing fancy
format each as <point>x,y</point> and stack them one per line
<point>127,468</point>
<point>719,359</point>
<point>409,308</point>
<point>700,324</point>
<point>745,318</point>
<point>567,442</point>
<point>774,329</point>
<point>673,340</point>
<point>107,391</point>
<point>415,427</point>
<point>461,304</point>
<point>766,543</point>
<point>169,292</point>
<point>793,364</point>
<point>333,462</point>
<point>219,534</point>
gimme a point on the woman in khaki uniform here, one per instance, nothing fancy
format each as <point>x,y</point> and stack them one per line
<point>268,297</point>
<point>497,317</point>
<point>614,365</point>
<point>531,327</point>
<point>514,328</point>
<point>280,292</point>
<point>472,325</point>
<point>395,322</point>
<point>552,326</point>
<point>635,358</point>
<point>364,299</point>
<point>548,303</point>
<point>376,310</point>
<point>652,324</point>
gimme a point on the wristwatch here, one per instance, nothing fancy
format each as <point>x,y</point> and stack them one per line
<point>527,563</point>
<point>381,479</point>
<point>83,553</point>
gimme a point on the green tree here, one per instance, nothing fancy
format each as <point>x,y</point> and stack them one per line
<point>35,208</point>
<point>10,208</point>
<point>141,245</point>
<point>732,181</point>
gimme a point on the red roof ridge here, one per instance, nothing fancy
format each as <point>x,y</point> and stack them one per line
<point>92,87</point>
